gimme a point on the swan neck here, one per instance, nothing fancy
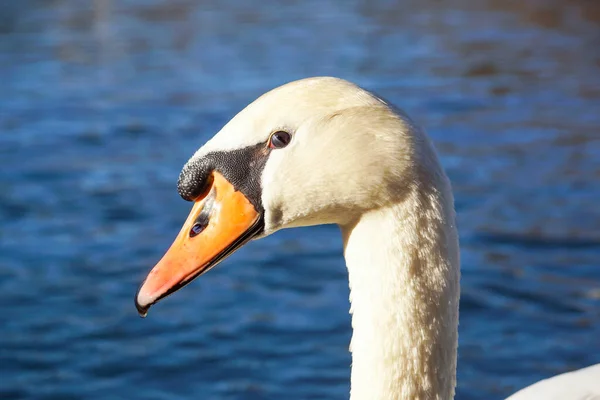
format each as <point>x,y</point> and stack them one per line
<point>403,268</point>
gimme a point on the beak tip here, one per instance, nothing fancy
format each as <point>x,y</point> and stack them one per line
<point>142,311</point>
<point>142,303</point>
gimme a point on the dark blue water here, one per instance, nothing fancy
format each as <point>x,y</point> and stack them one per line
<point>101,103</point>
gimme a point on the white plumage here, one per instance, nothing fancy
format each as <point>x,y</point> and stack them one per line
<point>356,162</point>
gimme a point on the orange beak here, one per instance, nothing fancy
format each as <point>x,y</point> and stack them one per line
<point>221,221</point>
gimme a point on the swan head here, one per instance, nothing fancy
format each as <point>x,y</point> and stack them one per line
<point>314,151</point>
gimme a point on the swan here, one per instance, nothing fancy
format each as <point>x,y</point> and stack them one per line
<point>325,151</point>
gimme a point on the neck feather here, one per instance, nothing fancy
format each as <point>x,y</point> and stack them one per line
<point>403,267</point>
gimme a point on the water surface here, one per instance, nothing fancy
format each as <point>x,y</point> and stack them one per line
<point>102,102</point>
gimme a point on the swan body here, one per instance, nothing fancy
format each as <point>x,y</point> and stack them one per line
<point>583,384</point>
<point>324,151</point>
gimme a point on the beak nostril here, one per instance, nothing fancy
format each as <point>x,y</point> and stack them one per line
<point>204,217</point>
<point>198,228</point>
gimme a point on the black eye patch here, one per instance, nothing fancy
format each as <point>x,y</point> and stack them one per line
<point>241,167</point>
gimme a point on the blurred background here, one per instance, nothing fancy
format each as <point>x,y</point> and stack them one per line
<point>102,102</point>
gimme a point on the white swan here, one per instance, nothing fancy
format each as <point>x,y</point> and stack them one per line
<point>324,151</point>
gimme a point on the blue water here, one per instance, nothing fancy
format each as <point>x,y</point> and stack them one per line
<point>102,102</point>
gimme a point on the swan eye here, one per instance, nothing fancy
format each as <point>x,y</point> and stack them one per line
<point>279,140</point>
